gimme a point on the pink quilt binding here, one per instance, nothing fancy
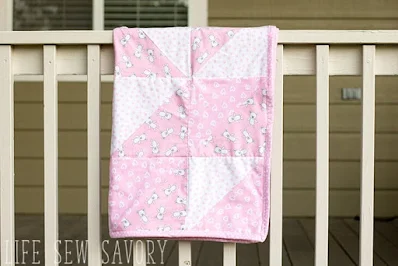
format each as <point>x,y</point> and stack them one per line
<point>192,120</point>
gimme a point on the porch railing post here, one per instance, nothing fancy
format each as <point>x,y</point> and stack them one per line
<point>367,159</point>
<point>7,157</point>
<point>322,155</point>
<point>93,155</point>
<point>50,87</point>
<point>276,210</point>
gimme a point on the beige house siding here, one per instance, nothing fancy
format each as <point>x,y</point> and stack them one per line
<point>299,115</point>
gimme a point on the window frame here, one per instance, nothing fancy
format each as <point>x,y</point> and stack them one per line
<point>197,14</point>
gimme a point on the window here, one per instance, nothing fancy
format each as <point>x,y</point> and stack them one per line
<point>141,13</point>
<point>77,14</point>
<point>52,15</point>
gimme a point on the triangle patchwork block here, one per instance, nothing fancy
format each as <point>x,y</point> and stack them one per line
<point>206,42</point>
<point>245,55</point>
<point>207,184</point>
<point>135,101</point>
<point>170,42</point>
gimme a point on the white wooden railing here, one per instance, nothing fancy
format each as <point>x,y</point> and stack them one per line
<point>88,56</point>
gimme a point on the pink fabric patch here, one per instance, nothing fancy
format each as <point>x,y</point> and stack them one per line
<point>139,56</point>
<point>206,42</point>
<point>155,191</point>
<point>191,133</point>
<point>240,210</point>
<point>164,133</point>
<point>229,117</point>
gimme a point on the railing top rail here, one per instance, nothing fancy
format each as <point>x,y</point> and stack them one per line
<point>285,37</point>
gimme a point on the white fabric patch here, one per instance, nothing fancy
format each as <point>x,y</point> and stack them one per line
<point>210,179</point>
<point>238,59</point>
<point>174,44</point>
<point>134,101</point>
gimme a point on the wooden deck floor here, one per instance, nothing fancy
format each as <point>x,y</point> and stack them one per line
<point>298,242</point>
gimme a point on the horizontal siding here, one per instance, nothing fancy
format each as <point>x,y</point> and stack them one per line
<point>296,202</point>
<point>298,117</point>
<point>297,174</point>
<point>342,175</point>
<point>299,89</point>
<point>299,106</point>
<point>316,9</point>
<point>297,146</point>
<point>308,23</point>
<point>303,89</point>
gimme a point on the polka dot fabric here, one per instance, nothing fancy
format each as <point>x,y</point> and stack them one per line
<point>240,210</point>
<point>192,119</point>
<point>134,100</point>
<point>172,42</point>
<point>206,42</point>
<point>208,185</point>
<point>245,55</point>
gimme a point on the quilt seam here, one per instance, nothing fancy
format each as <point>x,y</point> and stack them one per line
<point>188,127</point>
<point>182,72</point>
<point>210,59</point>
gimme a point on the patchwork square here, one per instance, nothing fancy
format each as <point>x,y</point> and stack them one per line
<point>191,139</point>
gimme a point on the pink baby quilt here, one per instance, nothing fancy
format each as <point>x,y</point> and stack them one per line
<point>191,133</point>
